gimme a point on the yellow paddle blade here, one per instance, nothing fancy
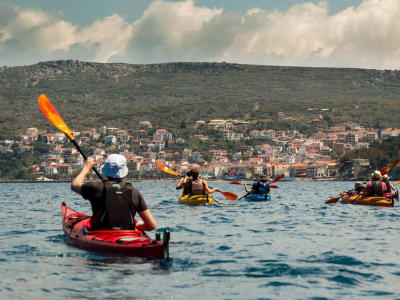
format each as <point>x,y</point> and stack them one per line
<point>53,116</point>
<point>167,170</point>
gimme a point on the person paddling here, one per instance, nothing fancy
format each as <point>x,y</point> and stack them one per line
<point>193,185</point>
<point>261,187</point>
<point>358,188</point>
<point>375,187</point>
<point>389,187</point>
<point>114,202</point>
<point>185,183</point>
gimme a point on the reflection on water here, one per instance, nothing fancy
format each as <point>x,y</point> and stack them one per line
<point>294,246</point>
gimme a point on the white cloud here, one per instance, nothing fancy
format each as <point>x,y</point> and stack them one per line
<point>307,34</point>
<point>42,35</point>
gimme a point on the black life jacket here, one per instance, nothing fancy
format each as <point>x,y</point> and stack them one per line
<point>119,212</point>
<point>376,188</point>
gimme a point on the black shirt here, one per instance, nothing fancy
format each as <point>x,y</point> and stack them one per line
<point>93,191</point>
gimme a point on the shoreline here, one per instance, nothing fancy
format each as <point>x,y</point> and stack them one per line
<point>169,180</point>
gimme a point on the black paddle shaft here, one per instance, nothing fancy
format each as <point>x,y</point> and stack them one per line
<point>85,158</point>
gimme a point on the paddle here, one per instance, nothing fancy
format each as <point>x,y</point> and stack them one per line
<point>273,186</point>
<point>333,200</point>
<point>391,166</point>
<point>355,199</point>
<point>162,167</point>
<point>244,196</point>
<point>165,169</point>
<point>277,178</point>
<point>54,117</point>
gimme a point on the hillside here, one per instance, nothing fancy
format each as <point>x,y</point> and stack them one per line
<point>90,94</point>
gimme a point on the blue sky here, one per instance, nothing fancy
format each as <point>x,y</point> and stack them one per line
<point>339,33</point>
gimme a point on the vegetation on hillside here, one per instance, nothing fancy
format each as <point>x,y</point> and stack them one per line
<point>174,95</point>
<point>380,154</point>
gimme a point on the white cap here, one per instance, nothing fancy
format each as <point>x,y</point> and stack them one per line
<point>115,166</point>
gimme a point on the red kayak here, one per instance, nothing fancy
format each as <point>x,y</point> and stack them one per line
<point>121,242</point>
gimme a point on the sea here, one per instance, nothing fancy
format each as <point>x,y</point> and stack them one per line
<point>293,247</point>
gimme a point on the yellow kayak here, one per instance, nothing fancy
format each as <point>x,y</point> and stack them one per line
<point>374,201</point>
<point>196,199</point>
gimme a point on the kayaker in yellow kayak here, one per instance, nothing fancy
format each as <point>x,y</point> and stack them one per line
<point>193,185</point>
<point>114,202</point>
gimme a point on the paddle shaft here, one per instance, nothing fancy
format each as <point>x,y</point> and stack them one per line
<point>85,158</point>
<point>244,196</point>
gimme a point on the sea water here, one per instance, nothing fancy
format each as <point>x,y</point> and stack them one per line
<point>293,247</point>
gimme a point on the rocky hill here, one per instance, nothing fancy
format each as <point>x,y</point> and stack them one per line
<point>92,94</point>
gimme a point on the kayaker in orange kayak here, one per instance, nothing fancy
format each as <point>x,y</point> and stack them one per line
<point>375,187</point>
<point>358,188</point>
<point>389,192</point>
<point>114,202</point>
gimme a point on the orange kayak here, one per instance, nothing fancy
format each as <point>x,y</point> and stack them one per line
<point>374,201</point>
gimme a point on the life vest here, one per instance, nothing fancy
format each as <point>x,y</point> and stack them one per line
<point>262,188</point>
<point>377,188</point>
<point>197,188</point>
<point>119,212</point>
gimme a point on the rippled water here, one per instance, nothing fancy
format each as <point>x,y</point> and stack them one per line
<point>293,247</point>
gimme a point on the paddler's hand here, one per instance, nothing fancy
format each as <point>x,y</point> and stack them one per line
<point>89,163</point>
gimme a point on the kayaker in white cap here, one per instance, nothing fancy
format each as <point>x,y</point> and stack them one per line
<point>114,202</point>
<point>375,187</point>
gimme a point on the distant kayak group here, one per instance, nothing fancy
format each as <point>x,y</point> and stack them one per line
<point>112,228</point>
<point>378,191</point>
<point>196,190</point>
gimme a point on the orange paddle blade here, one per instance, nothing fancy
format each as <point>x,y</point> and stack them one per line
<point>333,200</point>
<point>387,169</point>
<point>278,178</point>
<point>53,116</point>
<point>167,170</point>
<point>273,186</point>
<point>229,195</point>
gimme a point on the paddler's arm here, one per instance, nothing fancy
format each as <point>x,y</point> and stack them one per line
<point>207,189</point>
<point>182,182</point>
<point>148,222</point>
<point>78,181</point>
<point>246,189</point>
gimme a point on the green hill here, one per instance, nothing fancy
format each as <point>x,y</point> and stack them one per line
<point>93,94</point>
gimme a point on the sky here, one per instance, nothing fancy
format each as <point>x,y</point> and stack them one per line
<point>330,33</point>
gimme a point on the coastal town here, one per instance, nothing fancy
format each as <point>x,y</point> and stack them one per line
<point>289,152</point>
